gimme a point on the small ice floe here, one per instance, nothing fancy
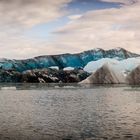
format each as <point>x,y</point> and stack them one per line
<point>54,67</point>
<point>64,87</point>
<point>8,88</point>
<point>69,87</point>
<point>68,68</point>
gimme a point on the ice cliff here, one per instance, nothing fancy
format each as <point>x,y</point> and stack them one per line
<point>78,60</point>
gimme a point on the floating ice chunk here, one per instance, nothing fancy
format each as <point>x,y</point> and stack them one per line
<point>8,88</point>
<point>68,68</point>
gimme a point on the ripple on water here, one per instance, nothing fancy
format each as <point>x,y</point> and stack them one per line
<point>70,114</point>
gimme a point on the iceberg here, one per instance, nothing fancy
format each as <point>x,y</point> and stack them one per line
<point>134,77</point>
<point>105,75</point>
<point>125,66</point>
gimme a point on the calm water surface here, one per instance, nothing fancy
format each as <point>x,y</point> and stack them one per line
<point>55,112</point>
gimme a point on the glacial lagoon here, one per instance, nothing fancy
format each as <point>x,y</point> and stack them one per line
<point>69,112</point>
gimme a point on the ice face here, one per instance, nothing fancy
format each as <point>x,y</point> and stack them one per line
<point>123,66</point>
<point>79,60</point>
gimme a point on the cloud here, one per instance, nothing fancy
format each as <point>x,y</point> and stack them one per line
<point>126,2</point>
<point>108,28</point>
<point>17,16</point>
<point>30,12</point>
<point>74,17</point>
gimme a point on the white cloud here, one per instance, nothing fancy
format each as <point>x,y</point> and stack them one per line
<point>127,2</point>
<point>107,29</point>
<point>30,12</point>
<point>17,16</point>
<point>74,17</point>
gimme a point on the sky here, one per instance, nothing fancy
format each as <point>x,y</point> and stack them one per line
<point>30,28</point>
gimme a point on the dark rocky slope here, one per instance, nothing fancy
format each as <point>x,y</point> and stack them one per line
<point>43,76</point>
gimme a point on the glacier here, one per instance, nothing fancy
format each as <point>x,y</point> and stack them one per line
<point>79,60</point>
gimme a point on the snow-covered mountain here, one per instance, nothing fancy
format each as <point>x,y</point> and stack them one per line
<point>65,60</point>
